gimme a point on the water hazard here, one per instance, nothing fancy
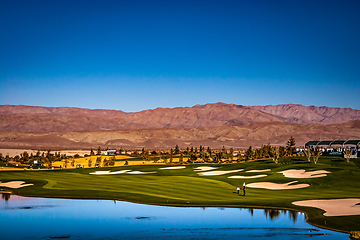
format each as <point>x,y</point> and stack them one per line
<point>46,218</point>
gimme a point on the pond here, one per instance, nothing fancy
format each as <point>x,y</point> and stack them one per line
<point>48,218</point>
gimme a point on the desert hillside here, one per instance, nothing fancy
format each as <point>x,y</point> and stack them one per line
<point>255,134</point>
<point>64,119</point>
<point>300,114</point>
<point>213,125</point>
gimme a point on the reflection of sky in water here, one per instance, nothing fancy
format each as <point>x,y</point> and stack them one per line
<point>92,219</point>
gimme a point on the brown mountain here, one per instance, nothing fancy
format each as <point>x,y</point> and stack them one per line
<point>255,134</point>
<point>300,114</point>
<point>64,119</point>
<point>213,125</point>
<point>44,119</point>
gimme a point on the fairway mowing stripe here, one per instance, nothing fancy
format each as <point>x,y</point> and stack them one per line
<point>182,187</point>
<point>188,195</point>
<point>157,195</point>
<point>201,187</point>
<point>196,191</point>
<point>206,182</point>
<point>186,191</point>
<point>154,188</point>
<point>168,194</point>
<point>106,185</point>
<point>50,184</point>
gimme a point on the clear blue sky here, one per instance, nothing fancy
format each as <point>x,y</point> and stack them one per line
<point>136,55</point>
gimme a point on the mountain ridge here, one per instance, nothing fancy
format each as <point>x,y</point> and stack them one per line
<point>22,118</point>
<point>253,134</point>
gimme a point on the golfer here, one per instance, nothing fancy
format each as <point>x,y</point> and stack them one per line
<point>244,189</point>
<point>238,190</point>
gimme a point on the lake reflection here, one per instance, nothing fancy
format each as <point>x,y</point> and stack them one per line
<point>5,196</point>
<point>45,218</point>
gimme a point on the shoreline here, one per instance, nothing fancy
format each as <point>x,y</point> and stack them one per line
<point>190,206</point>
<point>185,188</point>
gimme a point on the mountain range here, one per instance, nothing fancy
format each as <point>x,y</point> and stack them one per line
<point>214,125</point>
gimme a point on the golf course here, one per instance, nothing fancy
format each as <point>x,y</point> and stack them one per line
<point>282,185</point>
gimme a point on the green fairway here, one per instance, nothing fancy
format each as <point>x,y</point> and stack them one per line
<point>184,187</point>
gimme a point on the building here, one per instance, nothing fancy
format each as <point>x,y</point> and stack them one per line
<point>111,153</point>
<point>336,147</point>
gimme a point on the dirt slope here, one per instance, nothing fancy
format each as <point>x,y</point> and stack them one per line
<point>255,134</point>
<point>44,119</point>
<point>300,114</point>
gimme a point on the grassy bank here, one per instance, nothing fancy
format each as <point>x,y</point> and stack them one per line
<point>184,187</point>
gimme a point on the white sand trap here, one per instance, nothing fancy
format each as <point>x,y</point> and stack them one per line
<point>218,173</point>
<point>300,173</point>
<point>277,186</point>
<point>173,168</point>
<point>263,170</point>
<point>138,172</point>
<point>109,173</point>
<point>248,177</point>
<point>15,184</point>
<point>334,207</point>
<point>204,168</point>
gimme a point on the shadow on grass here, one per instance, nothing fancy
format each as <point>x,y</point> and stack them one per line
<point>291,161</point>
<point>337,162</point>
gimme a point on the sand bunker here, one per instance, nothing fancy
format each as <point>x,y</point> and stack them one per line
<point>300,173</point>
<point>218,173</point>
<point>138,172</point>
<point>334,207</point>
<point>248,177</point>
<point>173,168</point>
<point>109,173</point>
<point>263,170</point>
<point>204,168</point>
<point>277,186</point>
<point>15,184</point>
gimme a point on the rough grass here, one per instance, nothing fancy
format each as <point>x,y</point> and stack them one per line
<point>184,187</point>
<point>119,161</point>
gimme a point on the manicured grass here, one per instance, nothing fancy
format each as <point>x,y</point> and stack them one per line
<point>184,187</point>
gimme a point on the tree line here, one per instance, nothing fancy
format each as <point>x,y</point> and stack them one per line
<point>191,154</point>
<point>44,158</point>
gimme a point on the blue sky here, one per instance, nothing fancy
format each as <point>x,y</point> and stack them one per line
<point>136,55</point>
